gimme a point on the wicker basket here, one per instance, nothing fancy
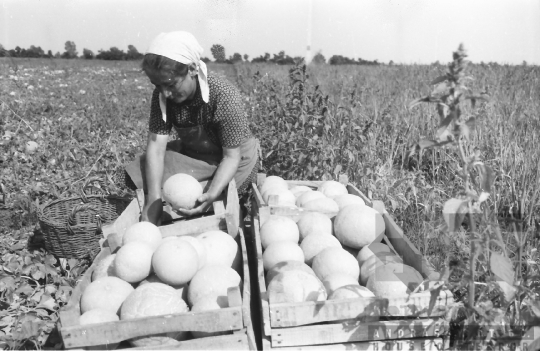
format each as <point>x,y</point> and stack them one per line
<point>72,227</point>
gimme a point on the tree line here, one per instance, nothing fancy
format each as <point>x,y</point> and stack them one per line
<point>217,51</point>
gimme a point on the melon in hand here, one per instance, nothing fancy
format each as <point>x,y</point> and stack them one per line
<point>181,191</point>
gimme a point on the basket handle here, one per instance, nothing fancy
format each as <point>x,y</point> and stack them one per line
<point>80,208</point>
<point>88,183</point>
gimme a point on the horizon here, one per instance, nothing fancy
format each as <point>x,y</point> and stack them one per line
<point>411,32</point>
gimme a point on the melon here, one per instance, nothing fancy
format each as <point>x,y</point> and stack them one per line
<point>378,259</point>
<point>308,196</point>
<point>285,197</point>
<point>295,286</point>
<point>95,316</point>
<point>181,289</point>
<point>169,238</point>
<point>133,261</point>
<point>313,244</point>
<point>370,250</point>
<point>287,266</point>
<point>198,246</point>
<point>175,262</point>
<point>331,188</point>
<point>104,268</point>
<point>273,182</point>
<point>299,190</point>
<point>358,225</point>
<point>181,191</point>
<point>107,293</point>
<point>335,260</point>
<point>313,223</point>
<point>354,291</point>
<point>348,199</point>
<point>154,299</point>
<point>221,249</point>
<point>143,231</point>
<point>281,251</point>
<point>207,304</point>
<point>213,282</point>
<point>336,281</point>
<point>325,205</point>
<point>279,228</point>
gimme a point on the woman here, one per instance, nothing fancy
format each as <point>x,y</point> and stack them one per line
<point>215,142</point>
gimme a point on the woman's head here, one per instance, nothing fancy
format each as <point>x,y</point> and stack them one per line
<point>173,64</point>
<point>175,80</point>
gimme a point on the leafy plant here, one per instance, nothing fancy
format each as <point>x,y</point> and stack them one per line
<point>495,284</point>
<point>33,287</point>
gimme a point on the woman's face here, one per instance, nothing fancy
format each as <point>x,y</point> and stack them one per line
<point>176,89</point>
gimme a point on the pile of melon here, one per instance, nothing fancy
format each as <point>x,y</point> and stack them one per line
<point>150,276</point>
<point>332,251</point>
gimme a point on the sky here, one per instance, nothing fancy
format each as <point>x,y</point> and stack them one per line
<point>404,31</point>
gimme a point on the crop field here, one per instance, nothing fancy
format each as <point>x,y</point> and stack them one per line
<point>313,123</point>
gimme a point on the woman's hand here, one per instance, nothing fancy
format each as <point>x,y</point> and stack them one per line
<point>224,173</point>
<point>203,203</point>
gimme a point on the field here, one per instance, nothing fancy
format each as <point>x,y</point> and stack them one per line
<point>315,123</point>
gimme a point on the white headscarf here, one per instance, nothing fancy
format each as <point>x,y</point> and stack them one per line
<point>184,48</point>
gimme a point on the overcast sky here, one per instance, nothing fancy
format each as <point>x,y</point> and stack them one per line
<point>405,31</point>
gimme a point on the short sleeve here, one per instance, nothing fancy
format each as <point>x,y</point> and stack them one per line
<point>156,124</point>
<point>230,116</point>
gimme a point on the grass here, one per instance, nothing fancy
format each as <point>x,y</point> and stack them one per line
<point>314,123</point>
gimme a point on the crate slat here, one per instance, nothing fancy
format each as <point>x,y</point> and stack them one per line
<point>110,332</point>
<point>427,344</point>
<point>358,331</point>
<point>225,342</point>
<point>414,305</point>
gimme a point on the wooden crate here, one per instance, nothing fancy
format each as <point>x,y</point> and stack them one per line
<point>414,321</point>
<point>235,319</point>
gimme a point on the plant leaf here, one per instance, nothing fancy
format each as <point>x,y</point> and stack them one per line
<point>47,302</point>
<point>441,89</point>
<point>416,102</point>
<point>442,109</point>
<point>424,99</point>
<point>443,126</point>
<point>454,211</point>
<point>439,79</point>
<point>508,290</point>
<point>425,143</point>
<point>487,178</point>
<point>464,131</point>
<point>24,289</point>
<point>502,267</point>
<point>471,123</point>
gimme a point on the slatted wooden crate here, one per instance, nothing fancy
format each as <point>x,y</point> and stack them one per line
<point>235,319</point>
<point>413,321</point>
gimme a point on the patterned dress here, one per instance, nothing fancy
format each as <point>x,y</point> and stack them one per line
<point>223,118</point>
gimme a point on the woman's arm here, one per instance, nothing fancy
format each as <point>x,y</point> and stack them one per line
<point>224,174</point>
<point>154,165</point>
